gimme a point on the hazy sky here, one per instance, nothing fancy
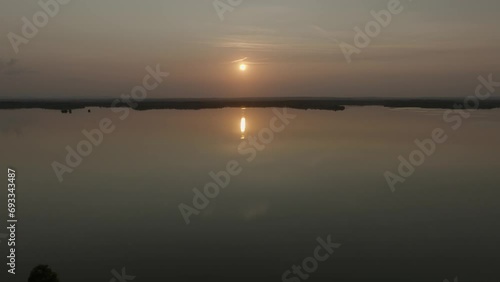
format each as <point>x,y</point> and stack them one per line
<point>96,48</point>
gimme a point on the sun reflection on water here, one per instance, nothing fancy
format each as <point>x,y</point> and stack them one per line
<point>243,124</point>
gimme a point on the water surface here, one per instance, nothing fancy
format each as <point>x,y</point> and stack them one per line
<point>322,175</point>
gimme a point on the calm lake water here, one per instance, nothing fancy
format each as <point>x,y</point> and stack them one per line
<point>322,175</point>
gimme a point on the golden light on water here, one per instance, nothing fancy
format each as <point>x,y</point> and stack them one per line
<point>243,125</point>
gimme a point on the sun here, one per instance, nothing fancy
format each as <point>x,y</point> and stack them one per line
<point>243,67</point>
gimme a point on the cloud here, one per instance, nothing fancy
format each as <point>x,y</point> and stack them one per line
<point>320,32</point>
<point>239,60</point>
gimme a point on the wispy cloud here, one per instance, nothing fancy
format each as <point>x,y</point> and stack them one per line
<point>239,60</point>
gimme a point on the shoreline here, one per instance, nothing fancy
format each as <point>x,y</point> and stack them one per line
<point>323,103</point>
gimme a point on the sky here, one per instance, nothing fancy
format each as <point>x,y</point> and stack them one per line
<point>95,48</point>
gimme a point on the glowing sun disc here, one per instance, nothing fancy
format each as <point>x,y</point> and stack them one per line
<point>243,67</point>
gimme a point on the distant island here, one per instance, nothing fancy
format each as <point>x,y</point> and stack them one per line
<point>319,103</point>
